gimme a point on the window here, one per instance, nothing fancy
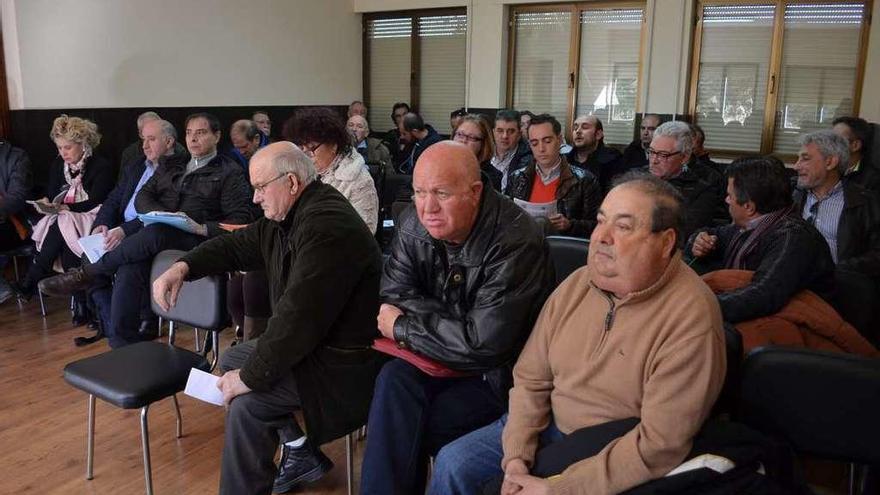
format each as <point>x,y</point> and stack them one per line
<point>578,60</point>
<point>417,58</point>
<point>759,85</point>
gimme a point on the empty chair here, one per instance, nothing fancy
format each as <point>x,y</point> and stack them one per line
<point>568,254</point>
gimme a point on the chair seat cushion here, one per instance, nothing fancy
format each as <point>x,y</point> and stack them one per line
<point>136,375</point>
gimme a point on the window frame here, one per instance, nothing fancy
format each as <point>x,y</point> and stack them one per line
<point>574,49</point>
<point>775,67</point>
<point>415,48</point>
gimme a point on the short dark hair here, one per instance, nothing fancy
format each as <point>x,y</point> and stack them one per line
<point>668,209</point>
<point>698,131</point>
<point>461,112</point>
<point>507,115</point>
<point>546,118</point>
<point>761,180</point>
<point>317,125</point>
<point>397,106</point>
<point>213,122</point>
<point>413,122</point>
<point>859,127</point>
<point>526,112</point>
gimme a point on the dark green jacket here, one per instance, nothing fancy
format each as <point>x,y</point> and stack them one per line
<point>324,268</point>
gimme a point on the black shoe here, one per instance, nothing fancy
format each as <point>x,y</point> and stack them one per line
<point>81,314</point>
<point>148,330</point>
<point>298,466</point>
<point>65,284</point>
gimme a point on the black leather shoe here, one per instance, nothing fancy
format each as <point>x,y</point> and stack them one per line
<point>81,314</point>
<point>298,466</point>
<point>149,329</point>
<point>65,284</point>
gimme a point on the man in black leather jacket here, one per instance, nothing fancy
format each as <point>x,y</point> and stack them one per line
<point>468,274</point>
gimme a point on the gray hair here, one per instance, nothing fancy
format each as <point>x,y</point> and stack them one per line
<point>167,129</point>
<point>246,128</point>
<point>829,144</point>
<point>681,131</point>
<point>144,117</point>
<point>294,161</point>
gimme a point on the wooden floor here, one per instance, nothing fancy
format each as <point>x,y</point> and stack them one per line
<point>43,421</point>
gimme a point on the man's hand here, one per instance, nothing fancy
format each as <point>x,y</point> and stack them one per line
<point>388,314</point>
<point>194,227</point>
<point>166,288</point>
<point>113,237</point>
<point>704,244</point>
<point>100,229</point>
<point>530,485</point>
<point>514,467</point>
<point>559,222</point>
<point>231,386</point>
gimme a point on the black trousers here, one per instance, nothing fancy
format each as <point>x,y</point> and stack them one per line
<point>130,262</point>
<point>247,294</point>
<point>9,238</point>
<point>53,247</point>
<point>254,424</point>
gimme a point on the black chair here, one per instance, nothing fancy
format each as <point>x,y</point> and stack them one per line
<point>568,254</point>
<point>201,304</point>
<point>823,404</point>
<point>133,377</point>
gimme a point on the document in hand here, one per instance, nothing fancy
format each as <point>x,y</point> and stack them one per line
<point>203,386</point>
<point>537,210</point>
<point>176,220</point>
<point>44,208</point>
<point>93,246</point>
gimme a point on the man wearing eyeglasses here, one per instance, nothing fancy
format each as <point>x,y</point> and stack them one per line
<point>670,157</point>
<point>848,217</point>
<point>467,275</point>
<point>208,189</point>
<point>323,267</point>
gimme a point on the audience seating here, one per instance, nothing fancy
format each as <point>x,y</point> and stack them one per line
<point>823,404</point>
<point>568,254</point>
<point>201,304</point>
<point>133,377</point>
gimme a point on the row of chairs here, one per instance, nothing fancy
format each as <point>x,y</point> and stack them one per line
<point>822,404</point>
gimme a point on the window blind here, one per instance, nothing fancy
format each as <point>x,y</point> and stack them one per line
<point>818,77</point>
<point>734,66</point>
<point>609,69</point>
<point>390,61</point>
<point>442,74</point>
<point>540,74</point>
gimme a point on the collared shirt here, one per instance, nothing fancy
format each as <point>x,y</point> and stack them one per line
<point>552,174</point>
<point>197,163</point>
<point>853,169</point>
<point>503,165</point>
<point>149,169</point>
<point>825,214</point>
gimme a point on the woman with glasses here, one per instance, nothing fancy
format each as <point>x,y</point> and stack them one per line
<point>475,132</point>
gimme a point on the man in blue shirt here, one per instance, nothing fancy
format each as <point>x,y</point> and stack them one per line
<point>118,219</point>
<point>246,140</point>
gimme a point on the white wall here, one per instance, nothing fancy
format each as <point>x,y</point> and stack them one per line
<point>115,53</point>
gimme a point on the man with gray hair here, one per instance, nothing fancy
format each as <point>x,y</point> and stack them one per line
<point>323,267</point>
<point>848,217</point>
<point>246,140</point>
<point>670,157</point>
<point>134,151</point>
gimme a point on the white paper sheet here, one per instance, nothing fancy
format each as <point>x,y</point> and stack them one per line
<point>537,209</point>
<point>93,246</point>
<point>203,386</point>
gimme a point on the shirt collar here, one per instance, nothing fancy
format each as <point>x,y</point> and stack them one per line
<point>552,174</point>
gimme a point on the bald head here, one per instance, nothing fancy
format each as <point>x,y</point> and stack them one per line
<point>451,157</point>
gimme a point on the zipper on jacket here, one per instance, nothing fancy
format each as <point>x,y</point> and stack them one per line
<point>609,321</point>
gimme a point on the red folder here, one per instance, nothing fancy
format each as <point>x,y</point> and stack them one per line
<point>428,365</point>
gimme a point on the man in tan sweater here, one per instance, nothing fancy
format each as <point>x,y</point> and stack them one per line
<point>635,334</point>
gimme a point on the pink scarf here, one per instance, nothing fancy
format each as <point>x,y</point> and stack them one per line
<point>73,174</point>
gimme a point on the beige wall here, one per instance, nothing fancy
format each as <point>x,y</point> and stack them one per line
<point>114,53</point>
<point>870,107</point>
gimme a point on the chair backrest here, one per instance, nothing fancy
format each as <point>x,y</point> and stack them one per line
<point>200,304</point>
<point>824,404</point>
<point>568,254</point>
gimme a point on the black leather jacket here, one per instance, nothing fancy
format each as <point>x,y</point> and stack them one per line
<point>703,190</point>
<point>470,306</point>
<point>15,180</point>
<point>858,233</point>
<point>603,162</point>
<point>216,192</point>
<point>578,196</point>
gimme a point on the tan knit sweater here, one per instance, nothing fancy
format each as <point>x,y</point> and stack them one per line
<point>657,354</point>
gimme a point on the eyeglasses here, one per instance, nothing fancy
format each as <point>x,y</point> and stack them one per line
<point>310,149</point>
<point>261,188</point>
<point>663,155</point>
<point>467,137</point>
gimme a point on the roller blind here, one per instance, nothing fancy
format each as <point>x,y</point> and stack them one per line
<point>609,69</point>
<point>734,66</point>
<point>540,74</point>
<point>390,48</point>
<point>818,77</point>
<point>442,74</point>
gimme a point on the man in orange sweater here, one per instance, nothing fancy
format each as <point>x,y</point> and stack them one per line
<point>635,334</point>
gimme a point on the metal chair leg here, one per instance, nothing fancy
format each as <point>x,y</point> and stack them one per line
<point>196,339</point>
<point>852,478</point>
<point>362,432</point>
<point>170,332</point>
<point>177,412</point>
<point>90,439</point>
<point>15,268</point>
<point>160,327</point>
<point>349,463</point>
<point>145,441</point>
<point>215,348</point>
<point>42,304</point>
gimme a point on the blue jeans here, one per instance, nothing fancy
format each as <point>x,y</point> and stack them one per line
<point>412,416</point>
<point>465,465</point>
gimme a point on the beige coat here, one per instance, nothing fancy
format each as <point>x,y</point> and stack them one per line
<point>349,175</point>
